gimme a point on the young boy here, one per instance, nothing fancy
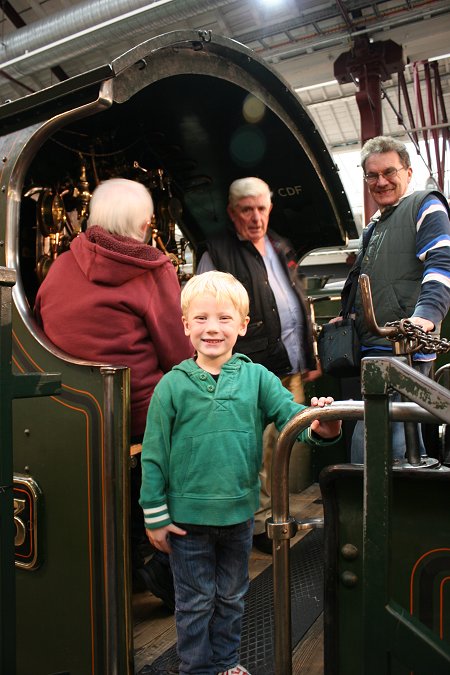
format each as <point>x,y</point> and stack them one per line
<point>200,461</point>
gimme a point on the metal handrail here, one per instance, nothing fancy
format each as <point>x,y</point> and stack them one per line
<point>369,312</point>
<point>435,406</point>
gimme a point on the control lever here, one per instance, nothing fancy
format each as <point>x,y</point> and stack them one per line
<point>400,347</point>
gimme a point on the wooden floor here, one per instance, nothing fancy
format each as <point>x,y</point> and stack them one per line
<point>154,627</point>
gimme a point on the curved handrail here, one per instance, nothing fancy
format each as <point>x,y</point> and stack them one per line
<point>369,313</point>
<point>282,527</point>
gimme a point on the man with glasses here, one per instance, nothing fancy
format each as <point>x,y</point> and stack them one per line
<point>405,251</point>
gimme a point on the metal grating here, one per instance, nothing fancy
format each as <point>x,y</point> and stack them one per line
<point>307,568</point>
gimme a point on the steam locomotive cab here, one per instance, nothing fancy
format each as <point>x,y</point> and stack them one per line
<point>185,117</point>
<point>185,114</point>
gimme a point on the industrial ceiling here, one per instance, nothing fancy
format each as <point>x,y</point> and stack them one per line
<point>44,41</point>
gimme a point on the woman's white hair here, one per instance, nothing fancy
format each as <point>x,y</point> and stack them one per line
<point>121,207</point>
<point>247,187</point>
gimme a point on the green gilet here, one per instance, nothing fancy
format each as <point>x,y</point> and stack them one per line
<point>391,264</point>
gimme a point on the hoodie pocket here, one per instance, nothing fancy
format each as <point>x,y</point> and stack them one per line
<point>217,463</point>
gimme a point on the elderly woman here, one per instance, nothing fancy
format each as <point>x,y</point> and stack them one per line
<point>114,299</point>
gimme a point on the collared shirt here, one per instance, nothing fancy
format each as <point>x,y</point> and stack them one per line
<point>289,311</point>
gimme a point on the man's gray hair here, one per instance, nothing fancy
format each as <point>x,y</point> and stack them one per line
<point>247,187</point>
<point>380,144</point>
<point>121,206</point>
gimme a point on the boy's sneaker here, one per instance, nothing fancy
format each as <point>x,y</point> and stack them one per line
<point>237,670</point>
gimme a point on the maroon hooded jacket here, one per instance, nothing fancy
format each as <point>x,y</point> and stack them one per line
<point>115,300</point>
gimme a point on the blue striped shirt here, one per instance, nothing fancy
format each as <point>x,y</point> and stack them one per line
<point>433,250</point>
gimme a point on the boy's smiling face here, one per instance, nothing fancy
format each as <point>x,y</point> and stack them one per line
<point>213,327</point>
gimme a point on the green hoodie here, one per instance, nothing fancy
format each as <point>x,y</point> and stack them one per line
<point>202,448</point>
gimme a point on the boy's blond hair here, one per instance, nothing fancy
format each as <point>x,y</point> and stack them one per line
<point>221,285</point>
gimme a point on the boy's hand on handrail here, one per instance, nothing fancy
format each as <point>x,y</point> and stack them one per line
<point>325,429</point>
<point>159,538</point>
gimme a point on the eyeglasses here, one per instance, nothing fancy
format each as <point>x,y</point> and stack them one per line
<point>372,178</point>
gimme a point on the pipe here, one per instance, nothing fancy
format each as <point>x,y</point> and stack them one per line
<point>92,24</point>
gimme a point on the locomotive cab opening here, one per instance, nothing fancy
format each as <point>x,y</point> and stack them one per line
<point>185,117</point>
<point>184,113</point>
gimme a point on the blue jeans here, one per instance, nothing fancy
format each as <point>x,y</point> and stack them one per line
<point>210,571</point>
<point>398,428</point>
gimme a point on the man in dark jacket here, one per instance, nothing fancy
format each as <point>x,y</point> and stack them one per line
<point>279,333</point>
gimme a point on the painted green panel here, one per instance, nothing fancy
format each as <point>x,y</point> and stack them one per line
<point>419,560</point>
